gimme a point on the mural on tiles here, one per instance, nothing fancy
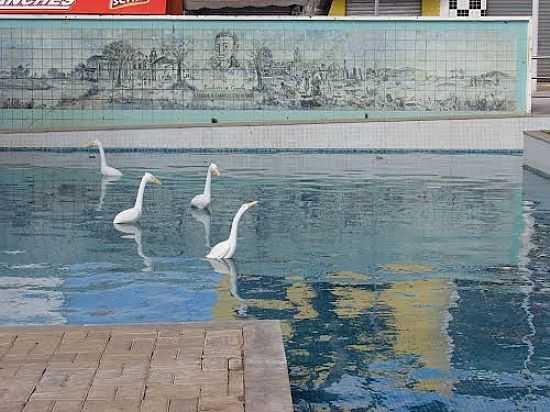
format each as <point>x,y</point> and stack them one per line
<point>254,70</point>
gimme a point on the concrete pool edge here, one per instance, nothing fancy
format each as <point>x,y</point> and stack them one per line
<point>537,152</point>
<point>502,135</point>
<point>237,365</point>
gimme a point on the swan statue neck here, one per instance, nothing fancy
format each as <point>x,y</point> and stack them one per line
<point>235,227</point>
<point>102,155</point>
<point>208,183</point>
<point>141,190</point>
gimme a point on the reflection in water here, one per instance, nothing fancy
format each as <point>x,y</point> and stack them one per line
<point>420,312</point>
<point>227,305</point>
<point>133,231</point>
<point>528,284</point>
<point>429,294</point>
<point>105,182</point>
<point>203,216</point>
<point>30,300</point>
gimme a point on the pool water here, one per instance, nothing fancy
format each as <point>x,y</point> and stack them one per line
<point>403,282</point>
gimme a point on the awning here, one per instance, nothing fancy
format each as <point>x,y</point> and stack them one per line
<point>236,4</point>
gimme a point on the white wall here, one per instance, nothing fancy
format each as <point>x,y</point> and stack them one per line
<point>496,134</point>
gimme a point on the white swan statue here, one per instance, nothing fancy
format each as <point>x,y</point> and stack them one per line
<point>203,200</point>
<point>227,248</point>
<point>132,215</point>
<point>106,170</point>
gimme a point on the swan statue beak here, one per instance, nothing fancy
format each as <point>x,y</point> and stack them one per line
<point>216,172</point>
<point>252,204</point>
<point>91,144</point>
<point>155,181</point>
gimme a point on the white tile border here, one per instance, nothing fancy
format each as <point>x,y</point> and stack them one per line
<point>503,134</point>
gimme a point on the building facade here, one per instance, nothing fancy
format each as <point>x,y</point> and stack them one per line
<point>442,8</point>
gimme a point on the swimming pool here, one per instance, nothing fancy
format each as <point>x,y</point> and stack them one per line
<point>404,282</point>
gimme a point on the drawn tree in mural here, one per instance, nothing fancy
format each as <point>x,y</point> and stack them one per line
<point>119,54</point>
<point>177,51</point>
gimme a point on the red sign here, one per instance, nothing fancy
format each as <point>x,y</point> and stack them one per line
<point>83,6</point>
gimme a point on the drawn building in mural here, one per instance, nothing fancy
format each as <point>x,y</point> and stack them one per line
<point>408,68</point>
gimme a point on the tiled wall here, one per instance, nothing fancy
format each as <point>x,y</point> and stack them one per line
<point>85,72</point>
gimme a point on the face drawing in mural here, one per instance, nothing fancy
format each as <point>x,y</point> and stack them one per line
<point>233,70</point>
<point>225,47</point>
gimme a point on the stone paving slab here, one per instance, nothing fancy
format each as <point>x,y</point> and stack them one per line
<point>188,367</point>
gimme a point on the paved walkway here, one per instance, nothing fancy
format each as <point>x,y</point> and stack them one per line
<point>213,366</point>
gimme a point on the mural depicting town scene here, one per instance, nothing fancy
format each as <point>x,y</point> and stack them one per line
<point>174,69</point>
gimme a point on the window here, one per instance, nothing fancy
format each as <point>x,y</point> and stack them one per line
<point>475,4</point>
<point>463,13</point>
<point>484,13</point>
<point>453,4</point>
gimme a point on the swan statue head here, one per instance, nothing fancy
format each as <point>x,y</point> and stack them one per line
<point>214,169</point>
<point>149,178</point>
<point>94,143</point>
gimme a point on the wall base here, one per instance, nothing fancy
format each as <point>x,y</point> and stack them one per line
<point>500,134</point>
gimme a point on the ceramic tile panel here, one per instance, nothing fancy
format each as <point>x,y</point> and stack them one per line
<point>84,72</point>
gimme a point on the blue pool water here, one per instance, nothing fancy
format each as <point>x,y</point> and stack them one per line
<point>406,283</point>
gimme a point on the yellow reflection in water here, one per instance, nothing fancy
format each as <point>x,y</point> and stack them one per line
<point>226,304</point>
<point>360,348</point>
<point>408,267</point>
<point>420,315</point>
<point>346,277</point>
<point>352,302</point>
<point>270,304</point>
<point>301,295</point>
<point>287,329</point>
<point>322,372</point>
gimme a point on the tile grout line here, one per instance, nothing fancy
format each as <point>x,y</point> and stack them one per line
<point>44,369</point>
<point>12,343</point>
<point>97,369</point>
<point>204,334</point>
<point>148,368</point>
<point>243,354</point>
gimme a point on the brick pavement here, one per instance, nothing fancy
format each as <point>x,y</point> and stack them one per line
<point>191,367</point>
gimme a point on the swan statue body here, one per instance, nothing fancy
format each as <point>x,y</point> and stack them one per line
<point>202,201</point>
<point>227,248</point>
<point>132,215</point>
<point>106,170</point>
